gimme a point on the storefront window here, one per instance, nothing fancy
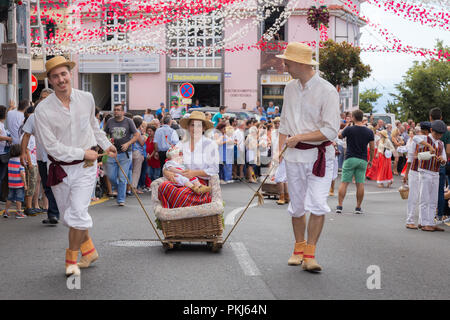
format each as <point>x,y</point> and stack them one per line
<point>273,93</point>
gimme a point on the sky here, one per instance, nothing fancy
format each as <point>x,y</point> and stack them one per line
<point>389,68</point>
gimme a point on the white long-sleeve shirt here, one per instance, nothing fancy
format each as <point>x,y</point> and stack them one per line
<point>204,157</point>
<point>65,133</point>
<point>308,109</point>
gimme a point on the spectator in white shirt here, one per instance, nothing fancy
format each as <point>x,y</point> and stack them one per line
<point>239,140</point>
<point>14,120</point>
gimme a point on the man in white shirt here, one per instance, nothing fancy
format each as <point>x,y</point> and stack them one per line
<point>239,141</point>
<point>29,129</point>
<point>309,123</point>
<point>67,129</point>
<point>14,120</point>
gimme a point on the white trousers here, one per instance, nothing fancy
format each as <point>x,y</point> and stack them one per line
<point>73,195</point>
<point>413,197</point>
<point>429,188</point>
<point>307,192</point>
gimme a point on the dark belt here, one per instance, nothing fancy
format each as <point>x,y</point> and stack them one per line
<point>56,173</point>
<point>320,164</point>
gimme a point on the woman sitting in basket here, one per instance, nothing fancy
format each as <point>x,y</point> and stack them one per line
<point>201,159</point>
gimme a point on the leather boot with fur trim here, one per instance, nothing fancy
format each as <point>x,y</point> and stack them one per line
<point>71,263</point>
<point>88,254</point>
<point>297,255</point>
<point>309,259</point>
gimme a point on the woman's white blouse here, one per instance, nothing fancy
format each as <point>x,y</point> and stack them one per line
<point>205,156</point>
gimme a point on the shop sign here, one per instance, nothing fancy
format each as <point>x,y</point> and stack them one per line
<point>269,79</point>
<point>115,63</point>
<point>194,77</point>
<point>9,53</point>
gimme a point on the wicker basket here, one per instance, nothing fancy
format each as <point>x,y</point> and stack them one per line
<point>208,227</point>
<point>404,192</point>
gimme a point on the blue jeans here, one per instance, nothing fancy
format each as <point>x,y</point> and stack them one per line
<point>116,176</point>
<point>340,156</point>
<point>441,200</point>
<point>153,173</point>
<point>141,183</point>
<point>52,211</point>
<point>16,194</point>
<point>225,171</point>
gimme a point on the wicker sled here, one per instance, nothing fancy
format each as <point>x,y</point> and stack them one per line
<point>203,223</point>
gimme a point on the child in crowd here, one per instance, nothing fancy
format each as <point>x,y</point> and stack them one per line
<point>17,183</point>
<point>174,164</point>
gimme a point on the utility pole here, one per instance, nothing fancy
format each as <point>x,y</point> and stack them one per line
<point>317,39</point>
<point>42,39</point>
<point>12,68</point>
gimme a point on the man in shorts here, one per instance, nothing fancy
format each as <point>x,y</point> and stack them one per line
<point>355,163</point>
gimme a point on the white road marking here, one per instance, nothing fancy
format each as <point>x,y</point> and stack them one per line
<point>229,220</point>
<point>244,259</point>
<point>135,243</point>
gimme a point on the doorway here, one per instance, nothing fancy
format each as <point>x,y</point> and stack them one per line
<point>207,93</point>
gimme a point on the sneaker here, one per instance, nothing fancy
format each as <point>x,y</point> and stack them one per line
<point>358,211</point>
<point>30,212</point>
<point>20,215</point>
<point>51,220</point>
<point>6,215</point>
<point>121,204</point>
<point>338,209</point>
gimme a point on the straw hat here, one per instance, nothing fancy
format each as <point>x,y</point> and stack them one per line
<point>58,61</point>
<point>277,119</point>
<point>384,133</point>
<point>196,115</point>
<point>298,52</point>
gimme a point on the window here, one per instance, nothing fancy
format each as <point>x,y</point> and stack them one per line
<point>22,25</point>
<point>86,82</point>
<point>114,26</point>
<point>118,89</point>
<point>276,12</point>
<point>192,41</point>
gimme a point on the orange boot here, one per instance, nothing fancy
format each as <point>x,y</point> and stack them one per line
<point>297,255</point>
<point>88,254</point>
<point>309,259</point>
<point>71,263</point>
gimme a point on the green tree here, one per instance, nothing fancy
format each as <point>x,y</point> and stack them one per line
<point>396,108</point>
<point>426,85</point>
<point>338,61</point>
<point>367,99</point>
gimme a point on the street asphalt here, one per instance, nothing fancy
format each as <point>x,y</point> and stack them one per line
<point>252,265</point>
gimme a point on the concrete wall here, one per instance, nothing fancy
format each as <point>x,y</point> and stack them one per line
<point>241,70</point>
<point>148,90</point>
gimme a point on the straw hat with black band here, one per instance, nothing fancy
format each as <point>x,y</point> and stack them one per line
<point>298,52</point>
<point>196,115</point>
<point>56,62</point>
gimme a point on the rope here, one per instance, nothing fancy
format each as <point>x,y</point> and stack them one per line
<point>251,200</point>
<point>140,202</point>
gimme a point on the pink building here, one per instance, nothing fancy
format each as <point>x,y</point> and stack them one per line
<point>219,78</point>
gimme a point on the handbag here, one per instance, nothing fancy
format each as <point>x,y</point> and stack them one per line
<point>4,158</point>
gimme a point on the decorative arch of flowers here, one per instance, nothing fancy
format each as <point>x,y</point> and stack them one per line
<point>83,24</point>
